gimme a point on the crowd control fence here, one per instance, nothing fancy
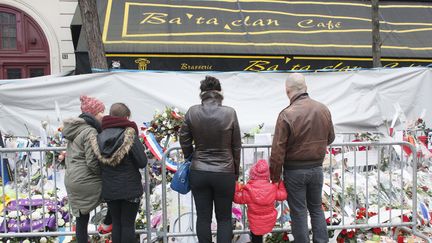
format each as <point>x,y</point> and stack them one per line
<point>370,188</point>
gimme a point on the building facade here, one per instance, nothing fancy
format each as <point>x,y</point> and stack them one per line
<point>35,38</point>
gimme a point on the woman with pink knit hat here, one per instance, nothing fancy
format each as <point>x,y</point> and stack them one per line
<point>260,196</point>
<point>83,177</point>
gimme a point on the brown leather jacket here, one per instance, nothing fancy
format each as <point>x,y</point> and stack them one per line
<point>303,131</point>
<point>215,132</point>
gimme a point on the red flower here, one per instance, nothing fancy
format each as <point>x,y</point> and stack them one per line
<point>340,240</point>
<point>176,115</point>
<point>344,232</point>
<point>285,236</point>
<point>351,234</point>
<point>400,239</point>
<point>405,218</point>
<point>377,230</point>
<point>328,221</point>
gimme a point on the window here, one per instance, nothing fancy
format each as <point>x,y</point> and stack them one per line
<point>8,31</point>
<point>24,49</point>
<point>36,72</point>
<point>13,73</point>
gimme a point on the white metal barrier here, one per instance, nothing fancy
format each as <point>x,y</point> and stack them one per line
<point>362,191</point>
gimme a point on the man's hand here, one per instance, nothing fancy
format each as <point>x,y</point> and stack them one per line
<point>275,179</point>
<point>275,173</point>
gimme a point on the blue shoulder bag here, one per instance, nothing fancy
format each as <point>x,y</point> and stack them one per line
<point>180,181</point>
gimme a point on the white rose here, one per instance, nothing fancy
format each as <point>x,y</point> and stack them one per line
<point>36,215</point>
<point>61,222</point>
<point>43,240</point>
<point>164,115</point>
<point>26,241</point>
<point>23,217</point>
<point>34,197</point>
<point>14,214</point>
<point>67,224</point>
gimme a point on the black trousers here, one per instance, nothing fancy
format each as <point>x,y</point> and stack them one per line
<point>81,228</point>
<point>208,188</point>
<point>123,214</point>
<point>256,238</point>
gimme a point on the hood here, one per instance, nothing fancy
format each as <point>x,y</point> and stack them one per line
<point>262,191</point>
<point>113,144</point>
<point>72,127</point>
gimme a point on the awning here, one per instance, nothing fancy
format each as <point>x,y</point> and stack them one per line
<point>260,35</point>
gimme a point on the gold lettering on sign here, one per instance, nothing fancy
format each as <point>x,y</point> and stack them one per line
<point>392,65</point>
<point>258,65</point>
<point>300,67</point>
<point>213,21</point>
<point>175,21</point>
<point>307,23</point>
<point>185,66</point>
<point>142,63</point>
<point>200,20</point>
<point>154,18</point>
<point>237,22</point>
<point>272,22</point>
<point>310,23</point>
<point>261,65</point>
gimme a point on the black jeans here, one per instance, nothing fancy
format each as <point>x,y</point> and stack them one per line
<point>208,188</point>
<point>256,238</point>
<point>81,228</point>
<point>108,219</point>
<point>123,214</point>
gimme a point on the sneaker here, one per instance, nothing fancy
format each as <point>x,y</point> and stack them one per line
<point>104,229</point>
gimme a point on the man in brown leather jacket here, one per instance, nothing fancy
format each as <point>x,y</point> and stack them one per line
<point>303,131</point>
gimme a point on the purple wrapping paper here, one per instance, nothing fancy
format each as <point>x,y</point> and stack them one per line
<point>24,206</point>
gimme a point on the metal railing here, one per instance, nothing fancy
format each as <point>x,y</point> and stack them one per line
<point>361,176</point>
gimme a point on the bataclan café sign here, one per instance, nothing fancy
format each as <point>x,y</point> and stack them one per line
<point>252,35</point>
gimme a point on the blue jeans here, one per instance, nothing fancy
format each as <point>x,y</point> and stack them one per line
<point>304,187</point>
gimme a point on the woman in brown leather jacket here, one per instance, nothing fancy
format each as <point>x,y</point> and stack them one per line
<point>214,130</point>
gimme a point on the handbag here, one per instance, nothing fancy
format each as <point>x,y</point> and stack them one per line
<point>180,180</point>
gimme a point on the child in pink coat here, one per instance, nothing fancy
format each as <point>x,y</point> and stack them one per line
<point>260,196</point>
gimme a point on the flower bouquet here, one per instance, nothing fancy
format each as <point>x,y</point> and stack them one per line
<point>166,124</point>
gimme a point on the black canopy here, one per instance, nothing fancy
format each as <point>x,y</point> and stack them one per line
<point>258,35</point>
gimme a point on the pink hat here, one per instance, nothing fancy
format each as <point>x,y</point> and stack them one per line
<point>260,171</point>
<point>91,105</point>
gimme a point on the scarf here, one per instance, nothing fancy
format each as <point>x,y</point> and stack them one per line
<point>91,120</point>
<point>116,121</point>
